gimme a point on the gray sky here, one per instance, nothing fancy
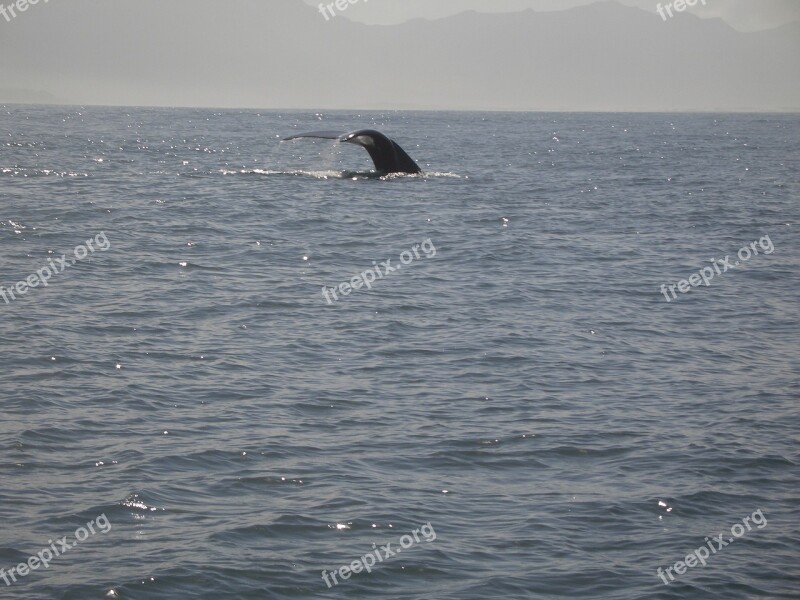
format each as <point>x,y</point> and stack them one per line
<point>405,54</point>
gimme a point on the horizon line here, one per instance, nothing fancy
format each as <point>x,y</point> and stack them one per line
<point>750,110</point>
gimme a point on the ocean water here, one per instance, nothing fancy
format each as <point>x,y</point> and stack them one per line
<point>522,390</point>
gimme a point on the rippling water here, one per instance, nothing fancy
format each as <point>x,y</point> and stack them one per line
<point>528,390</point>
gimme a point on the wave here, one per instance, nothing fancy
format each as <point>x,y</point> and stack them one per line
<point>23,172</point>
<point>331,174</point>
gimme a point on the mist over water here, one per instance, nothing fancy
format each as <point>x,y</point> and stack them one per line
<point>527,391</point>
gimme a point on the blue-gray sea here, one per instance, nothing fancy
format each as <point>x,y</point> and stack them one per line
<point>522,388</point>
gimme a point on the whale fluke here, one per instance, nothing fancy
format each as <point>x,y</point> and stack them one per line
<point>387,155</point>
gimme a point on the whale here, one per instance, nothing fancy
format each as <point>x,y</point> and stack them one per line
<point>387,154</point>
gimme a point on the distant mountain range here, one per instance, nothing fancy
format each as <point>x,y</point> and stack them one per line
<point>16,96</point>
<point>283,54</point>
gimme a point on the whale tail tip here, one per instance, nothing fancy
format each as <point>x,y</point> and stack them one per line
<point>387,154</point>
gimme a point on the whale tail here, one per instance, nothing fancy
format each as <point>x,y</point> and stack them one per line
<point>387,154</point>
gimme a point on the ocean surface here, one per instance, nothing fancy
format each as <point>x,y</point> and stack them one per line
<point>522,392</point>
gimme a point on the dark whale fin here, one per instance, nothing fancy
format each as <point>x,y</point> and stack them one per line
<point>387,155</point>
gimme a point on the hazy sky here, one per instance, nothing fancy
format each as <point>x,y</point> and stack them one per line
<point>745,15</point>
<point>383,54</point>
